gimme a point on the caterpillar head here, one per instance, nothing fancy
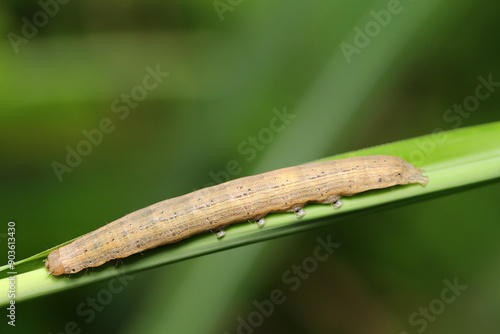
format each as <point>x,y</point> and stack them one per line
<point>54,263</point>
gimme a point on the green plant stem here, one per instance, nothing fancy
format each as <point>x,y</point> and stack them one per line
<point>453,160</point>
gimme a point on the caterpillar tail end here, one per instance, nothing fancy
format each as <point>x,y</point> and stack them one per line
<point>420,178</point>
<point>54,263</point>
<point>412,174</point>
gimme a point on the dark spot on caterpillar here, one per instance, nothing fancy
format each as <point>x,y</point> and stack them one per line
<point>379,180</point>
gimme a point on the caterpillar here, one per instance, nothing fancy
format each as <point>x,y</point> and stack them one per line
<point>245,199</point>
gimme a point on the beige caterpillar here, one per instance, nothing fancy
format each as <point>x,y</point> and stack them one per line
<point>246,199</point>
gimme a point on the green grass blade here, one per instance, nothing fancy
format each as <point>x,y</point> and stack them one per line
<point>452,160</point>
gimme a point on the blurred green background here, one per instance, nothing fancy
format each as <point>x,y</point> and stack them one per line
<point>66,67</point>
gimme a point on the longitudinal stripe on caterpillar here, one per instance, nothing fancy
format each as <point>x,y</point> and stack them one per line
<point>246,199</point>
